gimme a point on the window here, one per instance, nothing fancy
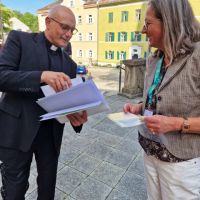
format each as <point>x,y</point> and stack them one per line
<point>90,54</point>
<point>90,36</point>
<point>90,19</point>
<point>110,17</point>
<point>80,53</point>
<point>80,37</point>
<point>124,16</point>
<point>136,36</point>
<point>110,37</point>
<point>79,19</point>
<point>121,55</point>
<point>109,55</point>
<point>122,36</point>
<point>71,3</point>
<point>138,14</point>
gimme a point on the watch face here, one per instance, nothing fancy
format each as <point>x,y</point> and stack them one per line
<point>186,125</point>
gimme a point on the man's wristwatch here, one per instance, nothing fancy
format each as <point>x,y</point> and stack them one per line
<point>185,126</point>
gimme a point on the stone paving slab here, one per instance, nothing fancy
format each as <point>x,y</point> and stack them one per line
<point>108,174</point>
<point>91,189</point>
<point>68,179</point>
<point>133,185</point>
<point>103,162</point>
<point>85,163</point>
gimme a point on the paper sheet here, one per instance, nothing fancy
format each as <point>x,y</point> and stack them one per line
<point>126,119</point>
<point>82,96</point>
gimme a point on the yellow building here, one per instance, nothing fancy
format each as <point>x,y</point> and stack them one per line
<point>195,6</point>
<point>120,25</point>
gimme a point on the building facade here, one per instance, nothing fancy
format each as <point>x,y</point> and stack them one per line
<point>120,25</point>
<point>108,30</point>
<point>84,43</point>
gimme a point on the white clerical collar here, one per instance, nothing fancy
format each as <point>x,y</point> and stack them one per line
<point>53,47</point>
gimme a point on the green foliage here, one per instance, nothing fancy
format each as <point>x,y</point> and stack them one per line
<point>5,15</point>
<point>29,19</point>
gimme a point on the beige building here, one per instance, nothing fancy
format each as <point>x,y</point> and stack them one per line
<point>84,43</point>
<point>42,13</point>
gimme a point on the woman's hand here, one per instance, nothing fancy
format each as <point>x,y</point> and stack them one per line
<point>162,124</point>
<point>133,108</point>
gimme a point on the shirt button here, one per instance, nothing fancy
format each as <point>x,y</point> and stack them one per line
<point>159,98</point>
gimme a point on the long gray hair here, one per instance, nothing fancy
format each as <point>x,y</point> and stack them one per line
<point>181,29</point>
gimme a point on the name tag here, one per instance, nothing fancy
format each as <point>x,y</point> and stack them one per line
<point>148,112</point>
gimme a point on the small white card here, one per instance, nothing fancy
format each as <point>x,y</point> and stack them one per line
<point>126,119</point>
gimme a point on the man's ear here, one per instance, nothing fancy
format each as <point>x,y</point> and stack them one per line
<point>47,21</point>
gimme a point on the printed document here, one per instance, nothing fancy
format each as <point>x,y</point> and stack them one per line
<point>81,96</point>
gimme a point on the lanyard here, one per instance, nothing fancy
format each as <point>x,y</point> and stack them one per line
<point>156,81</point>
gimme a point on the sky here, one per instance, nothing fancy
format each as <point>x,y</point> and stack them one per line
<point>26,5</point>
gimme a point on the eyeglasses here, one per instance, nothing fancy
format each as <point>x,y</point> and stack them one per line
<point>147,24</point>
<point>66,27</point>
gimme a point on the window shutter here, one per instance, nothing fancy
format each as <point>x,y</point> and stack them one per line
<point>125,39</point>
<point>119,36</point>
<point>113,37</point>
<point>127,16</point>
<point>132,36</point>
<point>113,53</point>
<point>125,55</point>
<point>139,37</point>
<point>106,55</point>
<point>117,55</point>
<point>106,37</point>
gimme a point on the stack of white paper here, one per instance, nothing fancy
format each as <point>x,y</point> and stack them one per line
<point>82,96</point>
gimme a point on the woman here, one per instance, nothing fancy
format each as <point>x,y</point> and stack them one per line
<point>170,136</point>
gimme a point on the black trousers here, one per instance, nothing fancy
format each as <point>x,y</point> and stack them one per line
<point>15,168</point>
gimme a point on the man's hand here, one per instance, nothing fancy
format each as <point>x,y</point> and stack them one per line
<point>58,80</point>
<point>77,119</point>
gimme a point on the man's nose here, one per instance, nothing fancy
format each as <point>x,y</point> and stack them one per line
<point>68,33</point>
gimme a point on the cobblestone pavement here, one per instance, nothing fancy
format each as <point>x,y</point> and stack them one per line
<point>104,161</point>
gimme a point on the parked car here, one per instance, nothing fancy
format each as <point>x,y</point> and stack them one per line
<point>81,69</point>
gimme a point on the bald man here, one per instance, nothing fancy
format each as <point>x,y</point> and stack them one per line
<point>27,61</point>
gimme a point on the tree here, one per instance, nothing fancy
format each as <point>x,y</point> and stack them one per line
<point>5,15</point>
<point>29,19</point>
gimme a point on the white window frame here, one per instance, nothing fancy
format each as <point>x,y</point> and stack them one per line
<point>122,36</point>
<point>80,37</point>
<point>138,13</point>
<point>110,54</point>
<point>79,19</point>
<point>137,35</point>
<point>80,53</point>
<point>122,55</point>
<point>71,3</point>
<point>109,37</point>
<point>90,36</point>
<point>90,19</point>
<point>90,54</point>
